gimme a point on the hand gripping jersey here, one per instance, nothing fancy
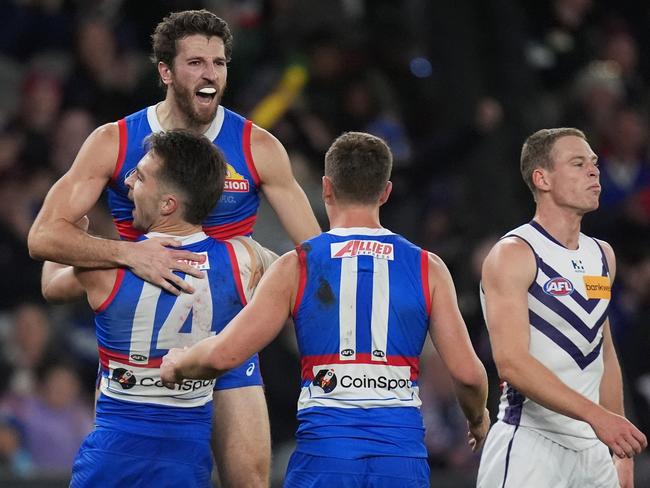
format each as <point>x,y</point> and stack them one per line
<point>567,307</point>
<point>236,211</point>
<point>140,322</point>
<point>361,318</point>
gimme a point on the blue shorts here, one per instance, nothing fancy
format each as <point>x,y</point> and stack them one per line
<point>248,374</point>
<point>114,459</point>
<point>306,471</point>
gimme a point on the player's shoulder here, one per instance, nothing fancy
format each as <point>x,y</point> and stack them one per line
<point>105,137</point>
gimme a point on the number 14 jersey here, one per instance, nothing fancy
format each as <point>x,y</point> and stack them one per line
<point>140,322</point>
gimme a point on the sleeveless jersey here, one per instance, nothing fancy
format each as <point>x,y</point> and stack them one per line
<point>567,307</point>
<point>139,322</point>
<point>361,318</point>
<point>236,211</point>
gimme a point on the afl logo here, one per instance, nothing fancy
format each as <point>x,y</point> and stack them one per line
<point>347,352</point>
<point>558,287</point>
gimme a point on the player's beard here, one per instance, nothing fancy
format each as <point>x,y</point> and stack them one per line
<point>185,98</point>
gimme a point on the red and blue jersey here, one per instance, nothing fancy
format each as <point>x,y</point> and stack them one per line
<point>140,322</point>
<point>361,319</point>
<point>236,211</point>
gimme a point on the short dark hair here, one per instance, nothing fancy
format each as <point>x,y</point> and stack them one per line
<point>192,165</point>
<point>359,166</point>
<point>536,151</point>
<point>179,25</point>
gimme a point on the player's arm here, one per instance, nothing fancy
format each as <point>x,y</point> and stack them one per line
<point>281,188</point>
<point>449,334</point>
<point>508,272</point>
<point>55,237</point>
<point>611,385</point>
<point>59,283</point>
<point>251,330</point>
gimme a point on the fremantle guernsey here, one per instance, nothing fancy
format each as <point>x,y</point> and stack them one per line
<point>140,322</point>
<point>236,211</point>
<point>567,307</point>
<point>361,318</point>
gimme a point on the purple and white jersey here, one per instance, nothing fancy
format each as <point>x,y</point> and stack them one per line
<point>140,322</point>
<point>567,307</point>
<point>361,318</point>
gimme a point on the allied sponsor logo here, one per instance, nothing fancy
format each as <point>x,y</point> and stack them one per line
<point>235,182</point>
<point>558,287</point>
<point>195,264</point>
<point>359,247</point>
<point>598,287</point>
<point>326,380</point>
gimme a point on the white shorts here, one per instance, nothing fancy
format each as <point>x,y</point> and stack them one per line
<point>515,457</point>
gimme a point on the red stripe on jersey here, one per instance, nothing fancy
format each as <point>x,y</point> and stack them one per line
<point>424,258</point>
<point>233,229</point>
<point>116,286</point>
<point>302,282</point>
<point>106,355</point>
<point>121,154</point>
<point>235,270</point>
<point>126,231</point>
<point>248,153</point>
<point>307,363</point>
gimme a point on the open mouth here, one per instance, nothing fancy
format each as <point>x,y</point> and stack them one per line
<point>206,95</point>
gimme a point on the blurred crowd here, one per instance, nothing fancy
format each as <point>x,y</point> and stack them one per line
<point>453,87</point>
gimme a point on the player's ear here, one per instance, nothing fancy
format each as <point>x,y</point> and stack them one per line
<point>386,193</point>
<point>540,179</point>
<point>328,191</point>
<point>168,204</point>
<point>165,72</point>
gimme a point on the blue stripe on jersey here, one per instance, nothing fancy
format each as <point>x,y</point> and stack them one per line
<point>240,199</point>
<point>353,433</point>
<point>154,420</point>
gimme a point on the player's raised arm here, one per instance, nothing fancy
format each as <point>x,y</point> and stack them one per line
<point>55,237</point>
<point>281,188</point>
<point>508,272</point>
<point>449,334</point>
<point>249,332</point>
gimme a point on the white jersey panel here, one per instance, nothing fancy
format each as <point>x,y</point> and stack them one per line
<point>567,303</point>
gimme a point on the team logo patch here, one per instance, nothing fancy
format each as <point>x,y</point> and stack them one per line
<point>124,377</point>
<point>326,379</point>
<point>234,181</point>
<point>598,287</point>
<point>358,247</point>
<point>558,287</point>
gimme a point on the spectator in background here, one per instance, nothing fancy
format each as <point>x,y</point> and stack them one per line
<point>15,461</point>
<point>56,416</point>
<point>29,342</point>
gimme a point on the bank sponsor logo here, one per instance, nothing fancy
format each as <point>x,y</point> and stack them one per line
<point>598,287</point>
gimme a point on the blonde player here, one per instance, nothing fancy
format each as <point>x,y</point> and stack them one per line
<point>546,289</point>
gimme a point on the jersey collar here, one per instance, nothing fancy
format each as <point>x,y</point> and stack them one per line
<point>211,133</point>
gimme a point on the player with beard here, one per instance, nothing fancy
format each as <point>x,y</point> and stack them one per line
<point>191,50</point>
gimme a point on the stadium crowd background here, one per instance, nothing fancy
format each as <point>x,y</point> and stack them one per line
<point>453,87</point>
